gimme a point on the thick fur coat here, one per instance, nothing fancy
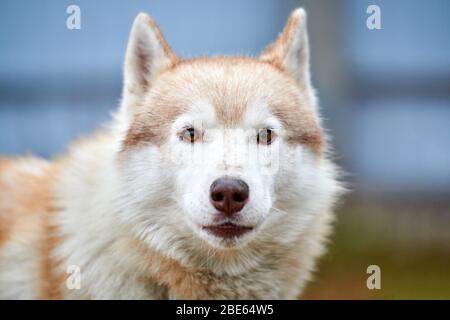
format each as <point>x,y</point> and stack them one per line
<point>127,214</point>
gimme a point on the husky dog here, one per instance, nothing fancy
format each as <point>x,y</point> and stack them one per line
<point>212,181</point>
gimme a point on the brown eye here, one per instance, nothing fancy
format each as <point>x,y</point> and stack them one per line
<point>189,135</point>
<point>265,136</point>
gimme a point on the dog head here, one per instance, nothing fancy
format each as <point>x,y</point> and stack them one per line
<point>227,150</point>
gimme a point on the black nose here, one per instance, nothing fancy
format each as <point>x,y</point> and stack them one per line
<point>229,195</point>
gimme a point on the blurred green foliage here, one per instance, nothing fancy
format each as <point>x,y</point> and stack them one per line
<point>411,267</point>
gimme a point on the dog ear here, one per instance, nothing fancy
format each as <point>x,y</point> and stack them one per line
<point>290,51</point>
<point>147,55</point>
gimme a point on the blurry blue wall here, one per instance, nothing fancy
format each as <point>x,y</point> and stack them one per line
<point>399,99</point>
<point>385,94</point>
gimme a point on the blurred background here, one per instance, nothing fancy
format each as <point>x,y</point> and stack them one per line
<point>385,97</point>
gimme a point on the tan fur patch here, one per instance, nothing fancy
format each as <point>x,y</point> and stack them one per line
<point>152,124</point>
<point>6,218</point>
<point>166,47</point>
<point>170,273</point>
<point>25,193</point>
<point>20,187</point>
<point>230,85</point>
<point>278,50</point>
<point>51,281</point>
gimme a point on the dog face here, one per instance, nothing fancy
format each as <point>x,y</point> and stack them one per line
<point>220,149</point>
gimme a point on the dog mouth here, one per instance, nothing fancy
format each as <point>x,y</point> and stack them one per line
<point>228,230</point>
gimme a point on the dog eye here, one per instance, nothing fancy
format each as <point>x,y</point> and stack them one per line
<point>189,135</point>
<point>265,136</point>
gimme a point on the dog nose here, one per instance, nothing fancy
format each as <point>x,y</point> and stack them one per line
<point>229,195</point>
